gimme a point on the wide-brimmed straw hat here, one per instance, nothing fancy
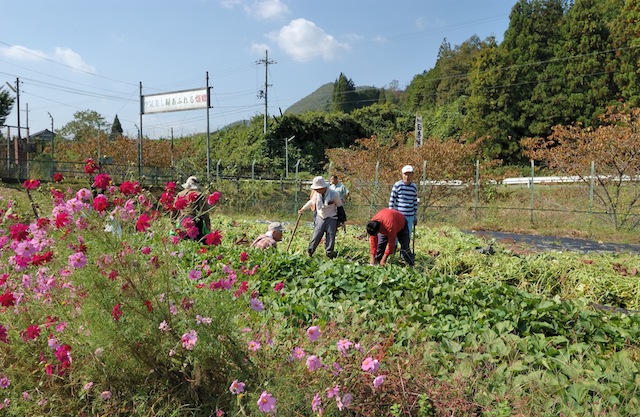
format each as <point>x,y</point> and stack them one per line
<point>318,183</point>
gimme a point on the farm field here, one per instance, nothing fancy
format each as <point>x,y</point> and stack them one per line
<point>133,320</point>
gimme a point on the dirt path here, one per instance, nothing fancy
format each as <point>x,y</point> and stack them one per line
<point>553,243</point>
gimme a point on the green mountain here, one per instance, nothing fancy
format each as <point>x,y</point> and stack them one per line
<point>321,99</point>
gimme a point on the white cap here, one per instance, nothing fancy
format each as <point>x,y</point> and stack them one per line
<point>191,184</point>
<point>318,183</point>
<point>407,168</point>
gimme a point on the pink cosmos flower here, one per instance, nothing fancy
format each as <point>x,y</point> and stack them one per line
<point>266,402</point>
<point>344,345</point>
<point>236,387</point>
<point>105,395</point>
<point>164,327</point>
<point>88,386</point>
<point>244,256</point>
<point>279,286</point>
<point>77,260</point>
<point>4,336</point>
<point>298,353</point>
<point>316,405</point>
<point>253,345</point>
<point>314,333</point>
<point>4,382</point>
<point>314,362</point>
<point>189,339</point>
<point>195,274</point>
<point>213,239</point>
<point>333,392</point>
<point>370,364</point>
<point>58,177</point>
<point>377,381</point>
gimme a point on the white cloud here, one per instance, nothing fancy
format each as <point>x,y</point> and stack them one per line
<point>259,48</point>
<point>64,56</point>
<point>303,40</point>
<point>21,53</point>
<point>269,9</point>
<point>72,59</point>
<point>259,9</point>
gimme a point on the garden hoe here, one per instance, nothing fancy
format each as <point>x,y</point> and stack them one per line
<point>294,231</point>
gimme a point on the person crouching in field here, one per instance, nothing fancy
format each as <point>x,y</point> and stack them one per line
<point>329,212</point>
<point>383,229</point>
<point>194,209</point>
<point>269,239</point>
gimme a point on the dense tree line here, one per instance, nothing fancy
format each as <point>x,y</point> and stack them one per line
<point>559,63</point>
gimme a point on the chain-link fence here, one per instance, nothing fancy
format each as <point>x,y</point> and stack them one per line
<point>552,202</point>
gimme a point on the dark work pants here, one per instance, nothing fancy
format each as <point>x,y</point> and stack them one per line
<point>327,227</point>
<point>403,239</point>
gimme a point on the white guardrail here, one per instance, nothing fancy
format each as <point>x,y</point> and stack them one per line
<point>527,180</point>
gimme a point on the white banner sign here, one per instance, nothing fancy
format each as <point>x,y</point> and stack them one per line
<point>176,101</point>
<point>418,142</point>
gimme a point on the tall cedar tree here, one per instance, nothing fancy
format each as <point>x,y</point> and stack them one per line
<point>344,94</point>
<point>116,129</point>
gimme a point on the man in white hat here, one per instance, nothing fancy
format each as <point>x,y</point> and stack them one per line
<point>329,212</point>
<point>269,239</point>
<point>404,197</point>
<point>196,208</point>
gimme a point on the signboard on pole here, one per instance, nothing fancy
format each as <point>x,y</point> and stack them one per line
<point>418,142</point>
<point>175,101</point>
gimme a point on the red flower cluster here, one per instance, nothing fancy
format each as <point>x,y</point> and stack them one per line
<point>90,166</point>
<point>100,203</point>
<point>57,177</point>
<point>213,198</point>
<point>116,313</point>
<point>130,188</point>
<point>143,222</point>
<point>31,184</point>
<point>32,332</point>
<point>7,299</point>
<point>41,259</point>
<point>102,181</point>
<point>19,232</point>
<point>213,239</point>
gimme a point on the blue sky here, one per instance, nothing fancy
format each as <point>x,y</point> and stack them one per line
<point>76,55</point>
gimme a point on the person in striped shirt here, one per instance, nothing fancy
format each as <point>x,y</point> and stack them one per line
<point>404,197</point>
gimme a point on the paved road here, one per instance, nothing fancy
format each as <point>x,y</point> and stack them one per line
<point>553,243</point>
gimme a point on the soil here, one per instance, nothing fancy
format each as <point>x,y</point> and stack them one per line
<point>523,243</point>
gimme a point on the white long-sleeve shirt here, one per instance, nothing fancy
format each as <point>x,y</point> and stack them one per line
<point>326,205</point>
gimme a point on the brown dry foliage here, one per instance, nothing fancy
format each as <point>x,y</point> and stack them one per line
<point>449,160</point>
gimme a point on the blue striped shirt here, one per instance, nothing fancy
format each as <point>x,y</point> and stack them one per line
<point>404,198</point>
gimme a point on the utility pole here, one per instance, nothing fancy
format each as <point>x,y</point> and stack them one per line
<point>263,93</point>
<point>53,137</point>
<point>17,91</point>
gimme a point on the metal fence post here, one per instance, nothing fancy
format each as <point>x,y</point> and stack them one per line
<point>477,188</point>
<point>253,184</point>
<point>531,202</point>
<point>295,200</point>
<point>376,189</point>
<point>591,185</point>
<point>218,171</point>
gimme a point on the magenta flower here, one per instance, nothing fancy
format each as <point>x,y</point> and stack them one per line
<point>333,392</point>
<point>253,345</point>
<point>195,274</point>
<point>4,382</point>
<point>377,381</point>
<point>266,402</point>
<point>298,353</point>
<point>314,333</point>
<point>370,364</point>
<point>314,362</point>
<point>236,387</point>
<point>189,339</point>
